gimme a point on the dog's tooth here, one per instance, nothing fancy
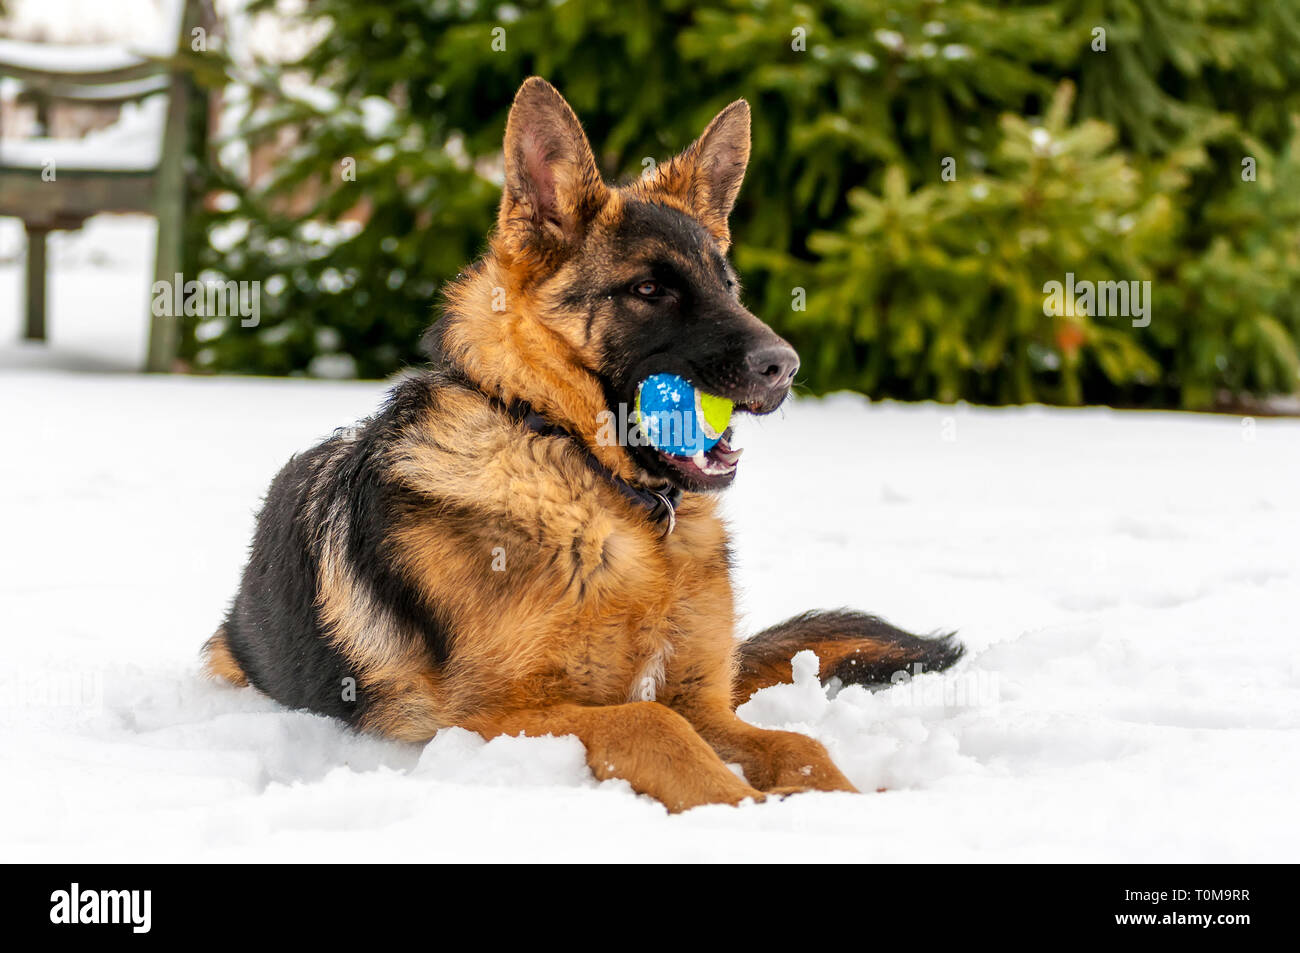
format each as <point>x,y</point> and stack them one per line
<point>717,468</point>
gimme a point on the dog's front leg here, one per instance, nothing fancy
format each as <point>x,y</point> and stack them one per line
<point>698,685</point>
<point>651,747</point>
<point>778,762</point>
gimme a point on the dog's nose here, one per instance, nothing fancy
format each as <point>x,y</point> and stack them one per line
<point>774,364</point>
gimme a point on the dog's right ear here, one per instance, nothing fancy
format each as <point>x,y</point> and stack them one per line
<point>553,188</point>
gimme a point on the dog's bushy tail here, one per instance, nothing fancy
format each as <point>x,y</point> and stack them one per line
<point>854,647</point>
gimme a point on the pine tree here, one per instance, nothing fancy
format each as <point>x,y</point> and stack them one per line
<point>920,171</point>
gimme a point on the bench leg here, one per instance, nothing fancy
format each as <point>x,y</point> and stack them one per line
<point>35,329</point>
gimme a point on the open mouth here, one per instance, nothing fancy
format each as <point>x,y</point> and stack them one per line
<point>715,465</point>
<point>689,432</point>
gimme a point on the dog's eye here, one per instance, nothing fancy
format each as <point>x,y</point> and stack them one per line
<point>648,289</point>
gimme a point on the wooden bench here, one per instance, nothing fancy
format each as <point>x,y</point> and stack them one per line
<point>59,183</point>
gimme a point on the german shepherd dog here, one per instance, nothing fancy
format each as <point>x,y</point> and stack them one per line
<point>475,554</point>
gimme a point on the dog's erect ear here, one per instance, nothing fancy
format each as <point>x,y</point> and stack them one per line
<point>721,157</point>
<point>707,176</point>
<point>552,184</point>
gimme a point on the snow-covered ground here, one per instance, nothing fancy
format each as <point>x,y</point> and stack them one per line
<point>97,301</point>
<point>1127,584</point>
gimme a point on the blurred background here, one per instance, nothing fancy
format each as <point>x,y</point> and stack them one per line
<point>921,170</point>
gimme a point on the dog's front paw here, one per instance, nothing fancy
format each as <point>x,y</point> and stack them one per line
<point>794,762</point>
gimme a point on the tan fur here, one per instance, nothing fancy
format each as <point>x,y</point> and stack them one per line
<point>592,599</point>
<point>705,179</point>
<point>651,746</point>
<point>775,668</point>
<point>219,664</point>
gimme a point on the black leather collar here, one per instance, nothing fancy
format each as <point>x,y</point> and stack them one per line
<point>660,507</point>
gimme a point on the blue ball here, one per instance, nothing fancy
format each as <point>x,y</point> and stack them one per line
<point>674,415</point>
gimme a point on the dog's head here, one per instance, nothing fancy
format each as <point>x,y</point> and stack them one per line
<point>599,287</point>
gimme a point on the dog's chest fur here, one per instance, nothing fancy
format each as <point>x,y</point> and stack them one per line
<point>618,639</point>
<point>553,586</point>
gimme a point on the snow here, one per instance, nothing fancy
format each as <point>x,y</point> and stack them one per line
<point>109,261</point>
<point>133,143</point>
<point>70,35</point>
<point>82,58</point>
<point>1126,583</point>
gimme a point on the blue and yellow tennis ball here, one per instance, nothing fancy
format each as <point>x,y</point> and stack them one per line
<point>678,418</point>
